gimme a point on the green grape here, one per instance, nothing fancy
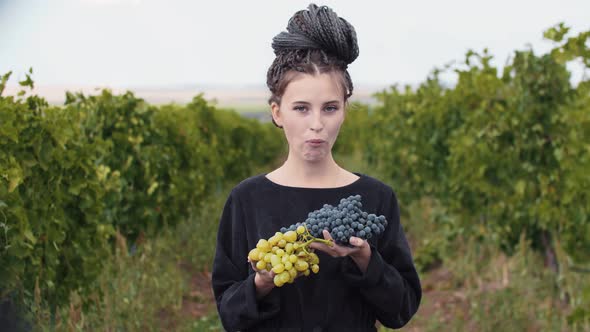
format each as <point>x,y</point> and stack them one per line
<point>275,260</point>
<point>315,268</point>
<point>278,268</point>
<point>287,255</point>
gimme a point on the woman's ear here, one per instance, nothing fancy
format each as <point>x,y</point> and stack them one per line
<point>274,107</point>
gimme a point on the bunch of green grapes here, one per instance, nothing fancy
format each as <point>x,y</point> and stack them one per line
<point>287,255</point>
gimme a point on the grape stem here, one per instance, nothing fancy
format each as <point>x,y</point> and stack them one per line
<point>315,239</point>
<point>308,238</point>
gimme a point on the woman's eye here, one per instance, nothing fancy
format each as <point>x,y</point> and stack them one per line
<point>329,109</point>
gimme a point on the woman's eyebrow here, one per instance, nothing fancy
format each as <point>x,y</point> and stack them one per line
<point>306,103</point>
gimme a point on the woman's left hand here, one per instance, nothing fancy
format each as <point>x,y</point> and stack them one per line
<point>360,252</point>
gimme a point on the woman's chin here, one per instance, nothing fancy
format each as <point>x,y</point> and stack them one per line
<point>315,155</point>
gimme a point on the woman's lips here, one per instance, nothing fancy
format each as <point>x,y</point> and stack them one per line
<point>315,142</point>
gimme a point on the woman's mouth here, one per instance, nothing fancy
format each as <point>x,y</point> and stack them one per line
<point>315,142</point>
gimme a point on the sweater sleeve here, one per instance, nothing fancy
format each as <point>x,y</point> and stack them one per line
<point>390,284</point>
<point>233,277</point>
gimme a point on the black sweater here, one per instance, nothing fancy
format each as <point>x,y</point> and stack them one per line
<point>339,297</point>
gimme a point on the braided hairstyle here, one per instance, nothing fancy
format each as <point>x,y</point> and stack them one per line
<point>317,41</point>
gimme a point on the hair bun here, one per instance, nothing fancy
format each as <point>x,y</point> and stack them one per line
<point>318,28</point>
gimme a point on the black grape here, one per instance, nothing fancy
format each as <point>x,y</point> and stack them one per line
<point>343,221</point>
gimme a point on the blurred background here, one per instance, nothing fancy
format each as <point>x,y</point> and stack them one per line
<point>125,123</point>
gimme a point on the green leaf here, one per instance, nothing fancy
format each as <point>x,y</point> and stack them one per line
<point>27,82</point>
<point>15,177</point>
<point>3,79</point>
<point>556,33</point>
<point>29,235</point>
<point>558,153</point>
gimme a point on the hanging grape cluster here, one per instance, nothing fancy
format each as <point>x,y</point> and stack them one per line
<point>287,255</point>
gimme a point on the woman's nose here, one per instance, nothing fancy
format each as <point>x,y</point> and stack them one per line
<point>317,121</point>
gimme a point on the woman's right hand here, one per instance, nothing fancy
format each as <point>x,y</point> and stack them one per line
<point>264,280</point>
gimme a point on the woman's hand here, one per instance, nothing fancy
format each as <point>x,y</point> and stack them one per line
<point>264,280</point>
<point>360,252</point>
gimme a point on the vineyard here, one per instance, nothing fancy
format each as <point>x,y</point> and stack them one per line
<point>109,205</point>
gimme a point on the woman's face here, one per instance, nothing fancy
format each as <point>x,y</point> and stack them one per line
<point>312,108</point>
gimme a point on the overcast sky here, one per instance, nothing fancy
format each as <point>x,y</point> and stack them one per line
<point>155,43</point>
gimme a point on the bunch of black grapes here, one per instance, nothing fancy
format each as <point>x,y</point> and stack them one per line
<point>343,221</point>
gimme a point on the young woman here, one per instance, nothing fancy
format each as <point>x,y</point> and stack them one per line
<point>371,280</point>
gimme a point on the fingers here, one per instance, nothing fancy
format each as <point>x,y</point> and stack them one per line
<point>339,250</point>
<point>357,242</point>
<point>321,247</point>
<point>334,250</point>
<point>253,265</point>
<point>262,272</point>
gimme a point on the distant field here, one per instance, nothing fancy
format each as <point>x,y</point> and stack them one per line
<point>256,111</point>
<point>243,99</point>
<point>246,108</point>
<point>249,101</point>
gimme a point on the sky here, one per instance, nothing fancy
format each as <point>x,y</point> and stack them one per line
<point>166,43</point>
